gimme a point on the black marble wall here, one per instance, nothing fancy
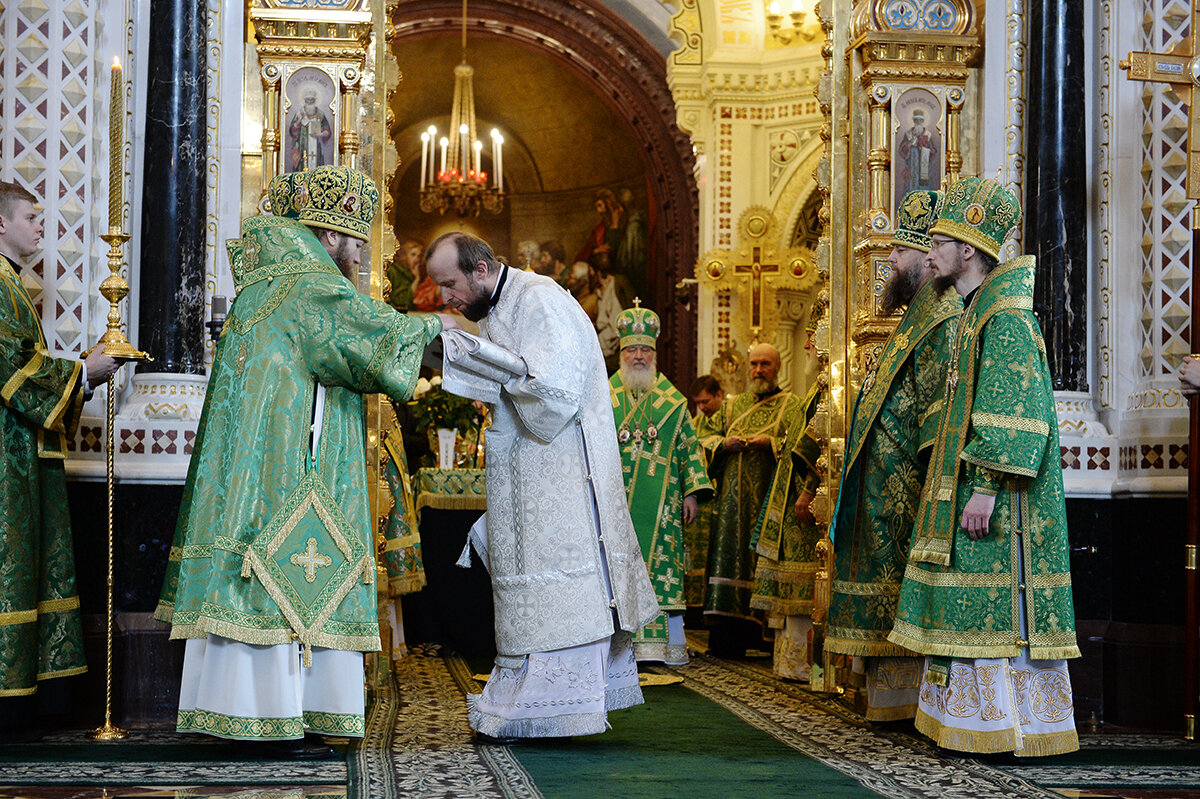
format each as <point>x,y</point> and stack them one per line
<point>1056,193</point>
<point>171,292</point>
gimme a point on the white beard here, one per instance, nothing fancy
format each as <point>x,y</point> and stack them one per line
<point>637,379</point>
<point>758,385</point>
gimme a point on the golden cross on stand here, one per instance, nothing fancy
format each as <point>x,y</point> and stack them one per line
<point>759,277</point>
<point>1180,68</point>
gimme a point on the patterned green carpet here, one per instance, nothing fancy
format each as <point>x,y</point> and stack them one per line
<point>729,729</point>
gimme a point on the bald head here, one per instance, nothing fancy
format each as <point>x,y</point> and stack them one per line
<point>764,368</point>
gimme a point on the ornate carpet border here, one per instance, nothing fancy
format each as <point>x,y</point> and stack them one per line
<point>890,764</point>
<point>369,773</point>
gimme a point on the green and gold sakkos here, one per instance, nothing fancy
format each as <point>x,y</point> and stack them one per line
<point>743,482</point>
<point>998,435</point>
<point>274,546</point>
<point>660,468</point>
<point>895,418</point>
<point>40,632</point>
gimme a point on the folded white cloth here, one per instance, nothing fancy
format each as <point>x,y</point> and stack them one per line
<point>476,368</point>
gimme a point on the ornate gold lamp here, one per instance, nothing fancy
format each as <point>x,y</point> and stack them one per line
<point>460,184</point>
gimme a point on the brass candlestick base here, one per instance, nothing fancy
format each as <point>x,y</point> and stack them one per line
<point>114,288</point>
<point>108,733</point>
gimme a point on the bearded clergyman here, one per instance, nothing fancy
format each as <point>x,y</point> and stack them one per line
<point>665,476</point>
<point>986,595</point>
<point>887,447</point>
<point>754,430</point>
<point>568,580</point>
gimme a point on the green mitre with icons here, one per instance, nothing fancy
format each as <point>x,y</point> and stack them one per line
<point>979,212</point>
<point>638,325</point>
<point>341,199</point>
<point>918,211</point>
<point>286,193</point>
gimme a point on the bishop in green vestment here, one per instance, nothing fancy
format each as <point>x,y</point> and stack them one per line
<point>893,426</point>
<point>41,398</point>
<point>986,595</point>
<point>664,473</point>
<point>274,543</point>
<point>754,430</point>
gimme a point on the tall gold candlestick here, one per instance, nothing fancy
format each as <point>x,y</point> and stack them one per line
<point>116,146</point>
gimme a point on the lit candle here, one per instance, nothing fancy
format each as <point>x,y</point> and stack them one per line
<point>432,143</point>
<point>116,146</point>
<point>463,149</point>
<point>495,151</point>
<point>424,155</point>
<point>478,157</point>
<point>445,143</point>
<point>500,162</point>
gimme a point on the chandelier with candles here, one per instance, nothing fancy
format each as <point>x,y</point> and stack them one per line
<point>452,176</point>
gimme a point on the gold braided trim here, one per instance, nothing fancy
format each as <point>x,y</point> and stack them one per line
<point>1005,422</point>
<point>18,617</point>
<point>58,605</point>
<point>995,466</point>
<point>958,579</point>
<point>1038,582</point>
<point>783,569</point>
<point>865,589</point>
<point>206,625</point>
<point>175,555</point>
<point>401,543</point>
<point>955,643</point>
<point>21,375</point>
<point>15,617</point>
<point>164,611</point>
<point>268,307</point>
<point>54,675</point>
<point>205,551</point>
<point>18,691</point>
<point>966,234</point>
<point>730,582</point>
<point>54,420</point>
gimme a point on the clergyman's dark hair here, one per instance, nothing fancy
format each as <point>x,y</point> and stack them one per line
<point>471,250</point>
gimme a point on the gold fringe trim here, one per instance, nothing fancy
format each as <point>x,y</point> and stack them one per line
<point>450,502</point>
<point>962,740</point>
<point>205,626</point>
<point>409,584</point>
<point>1049,743</point>
<point>954,650</point>
<point>881,649</point>
<point>926,555</point>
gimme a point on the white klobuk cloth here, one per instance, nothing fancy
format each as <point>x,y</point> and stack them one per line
<point>236,690</point>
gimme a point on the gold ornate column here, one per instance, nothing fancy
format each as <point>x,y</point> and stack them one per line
<point>913,86</point>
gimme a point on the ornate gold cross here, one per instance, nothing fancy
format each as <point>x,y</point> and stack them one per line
<point>1180,69</point>
<point>759,278</point>
<point>310,560</point>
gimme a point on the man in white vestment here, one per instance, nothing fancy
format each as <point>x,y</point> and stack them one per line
<point>568,580</point>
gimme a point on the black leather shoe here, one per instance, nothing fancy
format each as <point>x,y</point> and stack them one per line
<point>310,747</point>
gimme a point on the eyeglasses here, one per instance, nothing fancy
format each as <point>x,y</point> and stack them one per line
<point>935,243</point>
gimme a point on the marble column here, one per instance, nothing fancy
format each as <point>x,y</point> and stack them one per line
<point>1056,229</point>
<point>171,289</point>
